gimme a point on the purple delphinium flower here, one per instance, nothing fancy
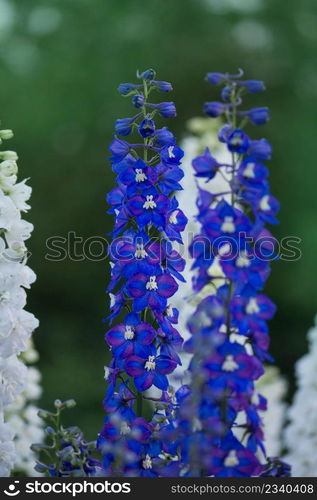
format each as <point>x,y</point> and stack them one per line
<point>232,459</point>
<point>135,252</point>
<point>231,367</point>
<point>150,370</point>
<point>258,116</point>
<point>147,127</point>
<point>214,109</point>
<point>171,155</point>
<point>151,290</point>
<point>132,337</point>
<point>218,421</point>
<point>176,221</point>
<point>144,268</point>
<point>149,207</point>
<point>138,177</point>
<point>121,402</point>
<point>169,178</point>
<point>167,109</point>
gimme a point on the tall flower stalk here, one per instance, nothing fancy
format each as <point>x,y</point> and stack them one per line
<point>145,268</point>
<point>22,417</point>
<point>202,133</point>
<point>300,437</point>
<point>16,324</point>
<point>219,410</point>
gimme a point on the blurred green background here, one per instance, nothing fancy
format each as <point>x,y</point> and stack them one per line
<point>60,64</point>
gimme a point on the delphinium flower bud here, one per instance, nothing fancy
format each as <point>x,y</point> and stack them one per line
<point>164,86</point>
<point>167,109</point>
<point>257,116</point>
<point>138,101</point>
<point>253,86</point>
<point>124,126</point>
<point>214,109</point>
<point>146,127</point>
<point>127,88</point>
<point>144,273</point>
<point>219,423</point>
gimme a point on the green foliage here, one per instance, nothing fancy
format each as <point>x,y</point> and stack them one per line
<point>66,453</point>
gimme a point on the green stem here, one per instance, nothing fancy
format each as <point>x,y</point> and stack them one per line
<point>145,156</point>
<point>139,404</point>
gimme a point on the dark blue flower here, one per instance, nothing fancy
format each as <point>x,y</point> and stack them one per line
<point>238,142</point>
<point>205,165</point>
<point>261,149</point>
<point>172,261</point>
<point>267,207</point>
<point>164,137</point>
<point>148,74</point>
<point>115,198</point>
<point>242,265</point>
<point>168,178</point>
<point>258,116</point>
<point>168,316</point>
<point>138,101</point>
<point>126,88</point>
<point>226,94</point>
<point>119,149</point>
<point>253,86</point>
<point>124,126</point>
<point>150,371</point>
<point>116,304</point>
<point>209,315</point>
<point>167,109</point>
<point>163,86</point>
<point>276,468</point>
<point>224,133</point>
<point>121,402</point>
<point>214,108</point>
<point>222,394</point>
<point>232,459</point>
<point>176,222</point>
<point>149,207</point>
<point>138,177</point>
<point>251,171</point>
<point>136,253</point>
<point>171,342</point>
<point>230,367</point>
<point>250,313</point>
<point>147,127</point>
<point>151,290</point>
<point>143,266</point>
<point>215,78</point>
<point>124,163</point>
<point>132,337</point>
<point>225,220</point>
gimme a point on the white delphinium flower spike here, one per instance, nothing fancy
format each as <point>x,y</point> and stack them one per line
<point>16,324</point>
<point>301,432</point>
<point>21,416</point>
<point>274,388</point>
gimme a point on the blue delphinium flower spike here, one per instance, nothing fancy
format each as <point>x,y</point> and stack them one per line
<point>144,274</point>
<point>219,424</point>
